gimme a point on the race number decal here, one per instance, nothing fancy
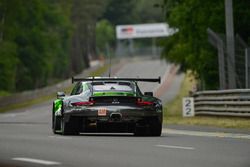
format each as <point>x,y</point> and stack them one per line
<point>188,107</point>
<point>102,112</point>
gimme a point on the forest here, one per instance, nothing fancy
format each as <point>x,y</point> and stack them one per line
<point>45,41</point>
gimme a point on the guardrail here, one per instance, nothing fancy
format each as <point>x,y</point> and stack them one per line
<point>234,102</point>
<point>34,94</point>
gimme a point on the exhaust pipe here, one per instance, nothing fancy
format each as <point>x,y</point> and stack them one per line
<point>116,117</point>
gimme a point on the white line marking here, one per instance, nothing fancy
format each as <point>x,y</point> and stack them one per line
<point>176,147</point>
<point>206,134</point>
<point>36,161</point>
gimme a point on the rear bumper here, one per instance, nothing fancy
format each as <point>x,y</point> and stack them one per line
<point>116,119</point>
<point>97,124</point>
<point>108,111</point>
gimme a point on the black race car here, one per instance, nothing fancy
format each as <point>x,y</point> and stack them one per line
<point>114,105</point>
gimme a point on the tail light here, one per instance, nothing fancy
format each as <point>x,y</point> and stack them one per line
<point>83,103</point>
<point>141,102</point>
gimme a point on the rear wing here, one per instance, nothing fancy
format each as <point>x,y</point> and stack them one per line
<point>117,79</point>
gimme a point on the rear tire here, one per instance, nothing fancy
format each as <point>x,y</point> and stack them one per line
<point>156,129</point>
<point>141,131</point>
<point>70,128</point>
<point>57,124</point>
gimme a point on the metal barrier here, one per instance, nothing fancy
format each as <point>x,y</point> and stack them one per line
<point>34,94</point>
<point>233,102</point>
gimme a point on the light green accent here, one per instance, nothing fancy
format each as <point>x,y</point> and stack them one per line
<point>114,94</point>
<point>57,105</point>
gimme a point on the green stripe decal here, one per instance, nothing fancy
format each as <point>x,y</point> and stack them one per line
<point>57,105</point>
<point>113,94</point>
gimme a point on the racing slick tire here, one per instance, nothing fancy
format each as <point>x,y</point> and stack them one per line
<point>152,127</point>
<point>141,130</point>
<point>70,128</point>
<point>56,124</point>
<point>156,129</point>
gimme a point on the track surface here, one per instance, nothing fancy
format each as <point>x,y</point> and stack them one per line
<point>26,140</point>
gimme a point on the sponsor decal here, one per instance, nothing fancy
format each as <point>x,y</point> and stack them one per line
<point>102,112</point>
<point>127,30</point>
<point>144,31</point>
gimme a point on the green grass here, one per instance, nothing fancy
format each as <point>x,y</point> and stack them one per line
<point>173,112</point>
<point>27,103</point>
<point>97,72</point>
<point>4,93</point>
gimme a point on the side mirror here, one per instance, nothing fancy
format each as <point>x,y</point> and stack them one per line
<point>148,93</point>
<point>60,95</point>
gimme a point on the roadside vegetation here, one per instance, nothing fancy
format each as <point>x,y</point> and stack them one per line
<point>173,111</point>
<point>43,42</point>
<point>190,47</point>
<point>98,72</point>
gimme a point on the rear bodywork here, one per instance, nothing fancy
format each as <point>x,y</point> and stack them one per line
<point>107,106</point>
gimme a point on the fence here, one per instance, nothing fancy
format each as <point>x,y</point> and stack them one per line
<point>233,102</point>
<point>241,61</point>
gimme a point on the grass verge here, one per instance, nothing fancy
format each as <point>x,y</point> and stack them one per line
<point>173,112</point>
<point>67,90</point>
<point>27,103</point>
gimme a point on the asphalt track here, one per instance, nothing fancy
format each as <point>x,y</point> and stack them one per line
<point>26,140</point>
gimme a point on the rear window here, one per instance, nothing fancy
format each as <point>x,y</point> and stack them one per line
<point>112,86</point>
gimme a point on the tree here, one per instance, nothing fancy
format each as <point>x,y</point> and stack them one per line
<point>84,17</point>
<point>105,35</point>
<point>149,11</point>
<point>189,47</point>
<point>8,64</point>
<point>121,12</point>
<point>34,36</point>
<point>241,18</point>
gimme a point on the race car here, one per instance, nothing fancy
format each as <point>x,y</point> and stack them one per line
<point>112,105</point>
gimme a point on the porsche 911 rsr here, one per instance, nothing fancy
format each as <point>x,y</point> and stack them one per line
<point>107,105</point>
